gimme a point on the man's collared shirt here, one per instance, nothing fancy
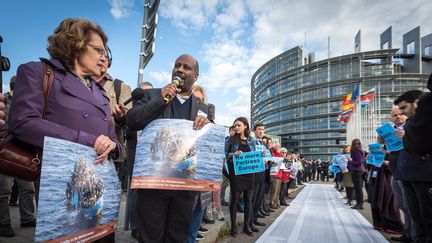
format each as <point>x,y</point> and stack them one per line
<point>183,99</point>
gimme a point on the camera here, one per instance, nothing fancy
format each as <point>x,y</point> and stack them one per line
<point>4,61</point>
<point>4,66</point>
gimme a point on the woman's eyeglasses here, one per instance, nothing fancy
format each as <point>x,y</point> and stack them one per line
<point>101,51</point>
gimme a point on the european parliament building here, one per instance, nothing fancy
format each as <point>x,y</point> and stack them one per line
<point>299,98</point>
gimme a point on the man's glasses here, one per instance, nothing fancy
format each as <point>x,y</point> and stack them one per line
<point>101,51</point>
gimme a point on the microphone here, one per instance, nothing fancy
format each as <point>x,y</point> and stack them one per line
<point>136,94</point>
<point>177,81</point>
<point>211,112</point>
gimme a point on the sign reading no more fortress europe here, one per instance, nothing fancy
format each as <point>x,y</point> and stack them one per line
<point>247,163</point>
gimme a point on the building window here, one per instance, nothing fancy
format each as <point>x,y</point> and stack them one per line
<point>411,48</point>
<point>428,51</point>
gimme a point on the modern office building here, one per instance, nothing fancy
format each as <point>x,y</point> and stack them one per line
<point>299,98</point>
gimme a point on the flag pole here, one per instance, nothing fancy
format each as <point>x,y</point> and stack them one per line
<point>358,108</point>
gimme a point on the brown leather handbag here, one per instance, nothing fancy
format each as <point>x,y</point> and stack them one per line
<point>19,159</point>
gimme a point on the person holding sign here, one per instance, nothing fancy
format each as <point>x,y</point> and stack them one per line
<point>76,109</point>
<point>259,186</point>
<point>415,172</point>
<point>241,142</point>
<point>166,215</point>
<point>385,212</point>
<point>342,162</point>
<point>398,119</point>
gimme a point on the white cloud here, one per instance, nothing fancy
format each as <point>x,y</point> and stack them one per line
<point>240,106</point>
<point>188,14</point>
<point>158,79</point>
<point>247,34</point>
<point>224,120</point>
<point>231,18</point>
<point>121,8</point>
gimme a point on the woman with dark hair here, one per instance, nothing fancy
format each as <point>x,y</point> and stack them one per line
<point>241,142</point>
<point>77,109</point>
<point>356,167</point>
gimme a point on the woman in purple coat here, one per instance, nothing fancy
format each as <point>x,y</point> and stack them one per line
<point>77,109</point>
<point>356,167</point>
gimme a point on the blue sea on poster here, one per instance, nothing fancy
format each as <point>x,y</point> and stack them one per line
<point>171,148</point>
<point>56,217</point>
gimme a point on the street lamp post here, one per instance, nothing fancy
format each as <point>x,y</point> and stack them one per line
<point>148,36</point>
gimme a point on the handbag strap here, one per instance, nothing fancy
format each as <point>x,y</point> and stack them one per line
<point>47,82</point>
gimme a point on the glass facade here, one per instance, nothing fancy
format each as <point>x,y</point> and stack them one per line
<point>299,99</point>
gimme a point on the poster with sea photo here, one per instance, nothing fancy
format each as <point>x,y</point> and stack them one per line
<point>79,201</point>
<point>171,155</point>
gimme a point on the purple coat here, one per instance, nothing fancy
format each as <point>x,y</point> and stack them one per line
<point>356,164</point>
<point>73,112</point>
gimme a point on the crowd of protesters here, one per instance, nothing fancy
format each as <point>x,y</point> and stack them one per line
<point>83,92</point>
<point>402,184</point>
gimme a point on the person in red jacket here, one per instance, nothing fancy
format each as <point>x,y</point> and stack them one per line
<point>284,170</point>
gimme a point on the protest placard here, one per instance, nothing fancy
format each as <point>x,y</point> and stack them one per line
<point>268,155</point>
<point>387,132</point>
<point>370,159</point>
<point>376,156</point>
<point>248,163</point>
<point>260,148</point>
<point>275,168</point>
<point>171,155</point>
<point>341,160</point>
<point>335,168</point>
<point>79,200</point>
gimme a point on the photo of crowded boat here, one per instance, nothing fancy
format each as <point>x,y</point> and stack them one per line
<point>78,199</point>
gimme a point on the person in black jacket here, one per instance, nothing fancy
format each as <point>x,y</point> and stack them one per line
<point>166,215</point>
<point>398,119</point>
<point>415,169</point>
<point>325,168</point>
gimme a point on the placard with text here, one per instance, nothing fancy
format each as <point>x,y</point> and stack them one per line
<point>171,155</point>
<point>376,156</point>
<point>387,132</point>
<point>248,163</point>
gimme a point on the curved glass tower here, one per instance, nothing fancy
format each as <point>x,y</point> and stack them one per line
<point>299,99</point>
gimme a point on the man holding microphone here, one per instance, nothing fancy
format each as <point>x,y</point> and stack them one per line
<point>166,215</point>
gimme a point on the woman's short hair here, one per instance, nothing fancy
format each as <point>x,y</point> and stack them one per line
<point>70,38</point>
<point>200,89</point>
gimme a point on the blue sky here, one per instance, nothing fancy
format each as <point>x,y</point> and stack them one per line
<point>230,39</point>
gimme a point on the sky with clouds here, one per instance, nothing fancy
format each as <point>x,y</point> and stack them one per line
<point>230,39</point>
